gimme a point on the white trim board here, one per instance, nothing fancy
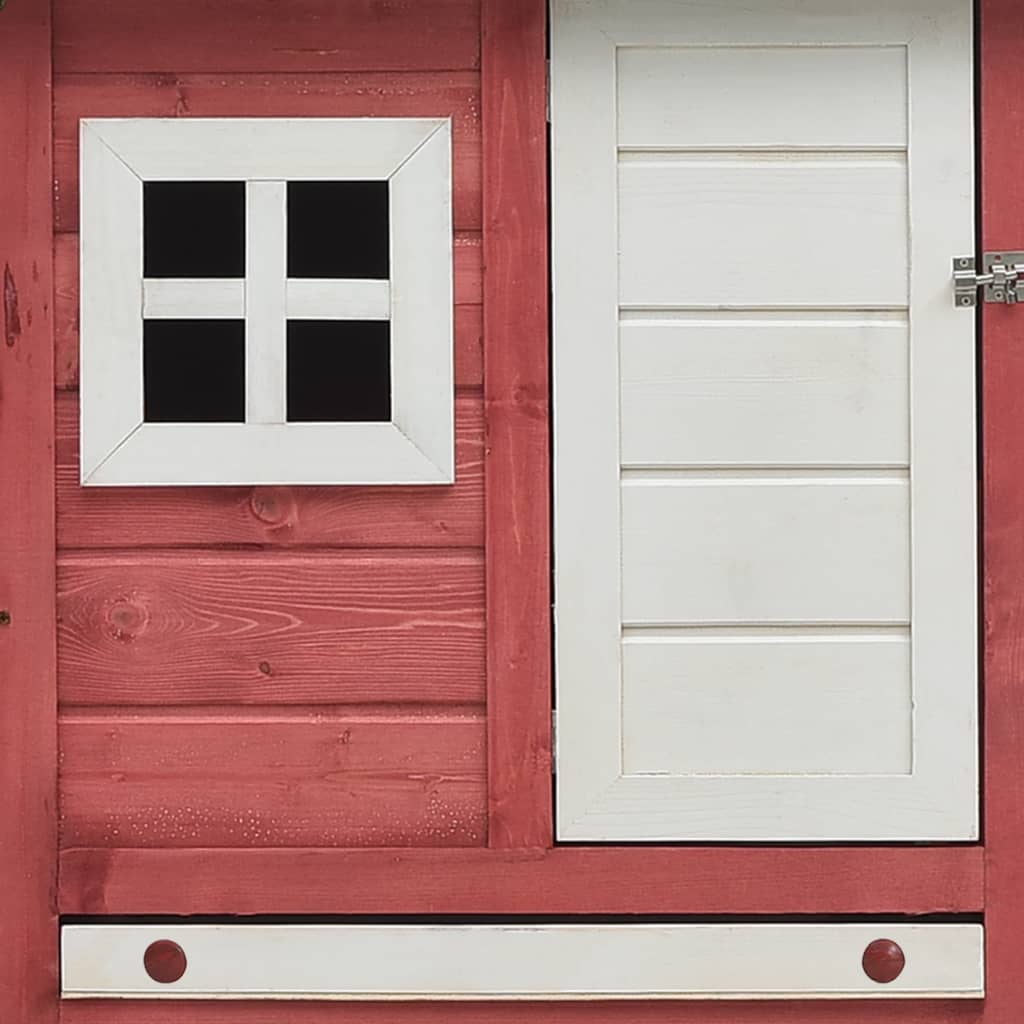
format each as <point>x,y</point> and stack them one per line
<point>545,962</point>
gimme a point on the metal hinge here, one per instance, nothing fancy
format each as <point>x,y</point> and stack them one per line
<point>1002,278</point>
<point>554,739</point>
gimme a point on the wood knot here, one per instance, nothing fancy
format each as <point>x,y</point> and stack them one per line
<point>127,619</point>
<point>265,668</point>
<point>272,505</point>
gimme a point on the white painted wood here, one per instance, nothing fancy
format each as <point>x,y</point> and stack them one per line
<point>111,300</point>
<point>229,454</point>
<point>550,962</point>
<point>165,298</point>
<point>705,549</point>
<point>266,245</point>
<point>413,154</point>
<point>290,149</point>
<point>763,231</point>
<point>421,301</point>
<point>764,389</point>
<point>306,299</point>
<point>787,448</point>
<point>788,97</point>
<point>329,299</point>
<point>730,703</point>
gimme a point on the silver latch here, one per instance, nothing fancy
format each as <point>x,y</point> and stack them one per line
<point>1002,278</point>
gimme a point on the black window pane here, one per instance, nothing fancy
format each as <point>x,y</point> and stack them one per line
<point>194,229</point>
<point>338,229</point>
<point>339,371</point>
<point>194,371</point>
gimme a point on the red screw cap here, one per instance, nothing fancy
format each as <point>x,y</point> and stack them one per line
<point>883,961</point>
<point>165,961</point>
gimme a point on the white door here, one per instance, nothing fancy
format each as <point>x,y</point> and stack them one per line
<point>764,420</point>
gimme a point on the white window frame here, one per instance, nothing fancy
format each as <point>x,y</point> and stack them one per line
<point>119,155</point>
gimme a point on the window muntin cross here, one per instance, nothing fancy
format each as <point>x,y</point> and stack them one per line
<point>309,251</point>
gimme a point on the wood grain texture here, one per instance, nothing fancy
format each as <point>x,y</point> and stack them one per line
<point>233,628</point>
<point>563,880</point>
<point>809,1012</point>
<point>516,395</point>
<point>309,780</point>
<point>468,272</point>
<point>28,761</point>
<point>273,516</point>
<point>371,94</point>
<point>1002,150</point>
<point>239,35</point>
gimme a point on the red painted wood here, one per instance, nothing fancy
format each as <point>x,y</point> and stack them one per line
<point>270,780</point>
<point>1002,190</point>
<point>728,1012</point>
<point>436,94</point>
<point>246,35</point>
<point>165,961</point>
<point>564,880</point>
<point>436,517</point>
<point>883,961</point>
<point>28,762</point>
<point>468,273</point>
<point>516,393</point>
<point>271,628</point>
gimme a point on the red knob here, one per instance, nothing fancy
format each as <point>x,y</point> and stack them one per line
<point>883,961</point>
<point>165,961</point>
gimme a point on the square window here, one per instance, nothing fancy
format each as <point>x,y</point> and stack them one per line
<point>194,371</point>
<point>339,371</point>
<point>338,229</point>
<point>266,301</point>
<point>194,229</point>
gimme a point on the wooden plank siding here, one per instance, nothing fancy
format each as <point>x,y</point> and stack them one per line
<point>334,698</point>
<point>1002,364</point>
<point>344,779</point>
<point>28,750</point>
<point>564,880</point>
<point>305,628</point>
<point>356,517</point>
<point>517,410</point>
<point>303,36</point>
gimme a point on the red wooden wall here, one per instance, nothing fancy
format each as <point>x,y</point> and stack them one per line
<point>253,667</point>
<point>254,681</point>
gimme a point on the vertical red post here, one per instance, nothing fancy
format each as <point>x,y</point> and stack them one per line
<point>514,67</point>
<point>1002,190</point>
<point>28,753</point>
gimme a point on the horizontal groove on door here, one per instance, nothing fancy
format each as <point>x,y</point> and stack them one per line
<point>338,779</point>
<point>728,157</point>
<point>695,476</point>
<point>541,962</point>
